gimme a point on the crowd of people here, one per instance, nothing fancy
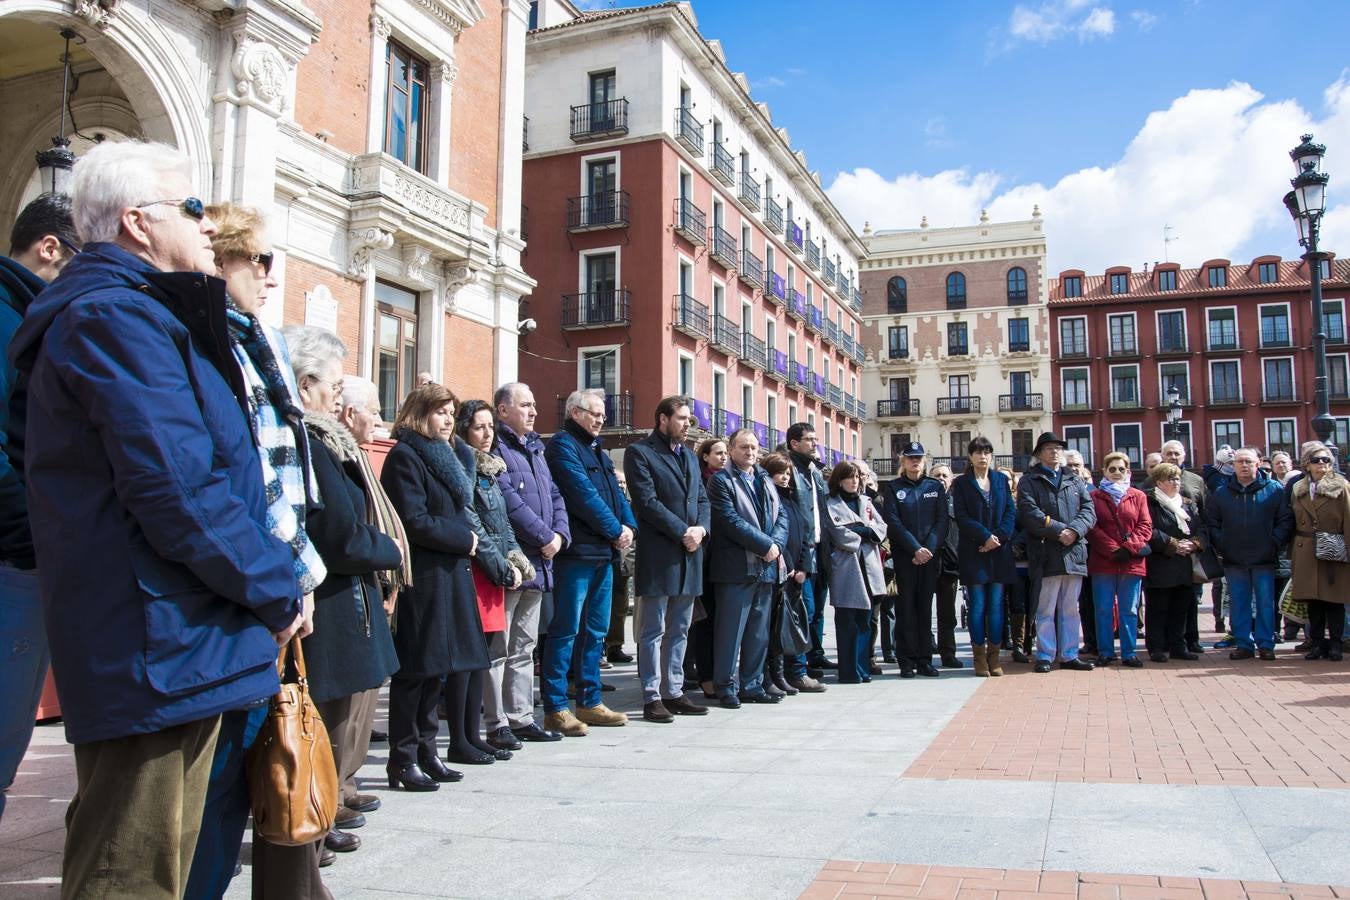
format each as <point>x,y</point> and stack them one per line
<point>184,491</point>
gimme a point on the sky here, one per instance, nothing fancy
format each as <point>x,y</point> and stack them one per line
<point>1120,119</point>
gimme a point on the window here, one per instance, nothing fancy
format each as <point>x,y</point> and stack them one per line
<point>686,379</point>
<point>897,339</point>
<point>395,346</point>
<point>1229,433</point>
<point>1172,375</point>
<point>1277,379</point>
<point>1079,437</point>
<point>1120,282</point>
<point>1183,434</point>
<point>597,300</point>
<point>1275,326</point>
<point>1019,385</point>
<point>1073,286</point>
<point>1167,280</point>
<point>898,389</point>
<point>1019,335</point>
<point>1280,436</point>
<point>957,344</point>
<point>1124,387</point>
<point>957,443</point>
<point>1074,390</point>
<point>897,296</point>
<point>1333,321</point>
<point>1340,436</point>
<point>1268,272</point>
<point>1224,383</point>
<point>771,417</point>
<point>600,369</point>
<point>1338,384</point>
<point>1222,329</point>
<point>1218,276</point>
<point>1023,440</point>
<point>1172,332</point>
<point>958,386</point>
<point>1017,286</point>
<point>956,291</point>
<point>1121,329</point>
<point>405,106</point>
<point>747,401</point>
<point>1128,439</point>
<point>1073,337</point>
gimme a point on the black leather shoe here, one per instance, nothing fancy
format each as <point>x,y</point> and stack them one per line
<point>729,701</point>
<point>1019,656</point>
<point>341,841</point>
<point>1186,654</point>
<point>1106,660</point>
<point>1240,653</point>
<point>616,655</point>
<point>1158,656</point>
<point>503,739</point>
<point>410,778</point>
<point>1042,666</point>
<point>826,663</point>
<point>1076,665</point>
<point>379,737</point>
<point>951,662</point>
<point>683,706</point>
<point>1317,652</point>
<point>501,755</point>
<point>326,857</point>
<point>928,670</point>
<point>888,657</point>
<point>906,672</point>
<point>533,733</point>
<point>759,697</point>
<point>1335,652</point>
<point>1132,662</point>
<point>1266,653</point>
<point>440,772</point>
<point>815,672</point>
<point>1195,648</point>
<point>470,757</point>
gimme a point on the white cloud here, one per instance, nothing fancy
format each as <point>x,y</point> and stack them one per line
<point>1099,23</point>
<point>768,81</point>
<point>1060,19</point>
<point>1143,19</point>
<point>1213,165</point>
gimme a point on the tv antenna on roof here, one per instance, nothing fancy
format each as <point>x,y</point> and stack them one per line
<point>1168,238</point>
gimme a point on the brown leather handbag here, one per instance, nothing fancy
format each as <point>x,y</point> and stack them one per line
<point>292,779</point>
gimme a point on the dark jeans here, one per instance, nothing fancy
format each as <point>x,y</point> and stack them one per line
<point>913,612</point>
<point>618,610</point>
<point>883,626</point>
<point>412,719</point>
<point>1326,620</point>
<point>1087,616</point>
<point>23,667</point>
<point>853,633</point>
<point>701,637</point>
<point>820,591</point>
<point>227,804</point>
<point>946,616</point>
<point>1165,616</point>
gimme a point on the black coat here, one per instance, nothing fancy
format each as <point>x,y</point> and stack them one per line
<point>1165,568</point>
<point>917,514</point>
<point>351,649</point>
<point>439,629</point>
<point>806,472</point>
<point>1044,509</point>
<point>667,496</point>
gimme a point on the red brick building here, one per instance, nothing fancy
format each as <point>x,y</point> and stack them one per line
<point>1235,339</point>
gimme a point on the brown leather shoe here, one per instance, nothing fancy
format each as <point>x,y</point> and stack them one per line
<point>565,723</point>
<point>601,715</point>
<point>683,706</point>
<point>807,685</point>
<point>656,711</point>
<point>341,841</point>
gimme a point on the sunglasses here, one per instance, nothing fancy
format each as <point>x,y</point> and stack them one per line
<point>1116,469</point>
<point>265,259</point>
<point>1321,460</point>
<point>188,206</point>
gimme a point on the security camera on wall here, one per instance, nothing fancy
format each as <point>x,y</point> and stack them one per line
<point>526,326</point>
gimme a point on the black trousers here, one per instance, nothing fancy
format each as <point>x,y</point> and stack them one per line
<point>1326,620</point>
<point>1087,615</point>
<point>883,626</point>
<point>412,719</point>
<point>1165,617</point>
<point>1193,616</point>
<point>700,643</point>
<point>946,616</point>
<point>914,612</point>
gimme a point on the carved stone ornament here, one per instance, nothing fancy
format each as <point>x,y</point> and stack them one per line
<point>96,12</point>
<point>415,260</point>
<point>380,27</point>
<point>457,276</point>
<point>444,71</point>
<point>259,72</point>
<point>361,245</point>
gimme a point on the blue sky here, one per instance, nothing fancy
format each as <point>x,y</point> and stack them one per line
<point>1117,117</point>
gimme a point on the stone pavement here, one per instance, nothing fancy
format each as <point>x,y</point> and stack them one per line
<point>973,786</point>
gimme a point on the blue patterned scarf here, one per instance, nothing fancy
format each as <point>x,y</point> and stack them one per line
<point>283,448</point>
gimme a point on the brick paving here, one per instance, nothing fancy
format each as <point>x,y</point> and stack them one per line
<point>1266,724</point>
<point>851,879</point>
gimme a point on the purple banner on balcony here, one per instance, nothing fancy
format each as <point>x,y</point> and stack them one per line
<point>800,369</point>
<point>836,457</point>
<point>780,361</point>
<point>817,318</point>
<point>733,421</point>
<point>820,384</point>
<point>794,233</point>
<point>703,414</point>
<point>778,285</point>
<point>762,435</point>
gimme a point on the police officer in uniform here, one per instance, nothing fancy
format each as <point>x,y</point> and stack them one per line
<point>915,510</point>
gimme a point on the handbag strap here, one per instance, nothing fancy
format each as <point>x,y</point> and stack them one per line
<point>296,650</point>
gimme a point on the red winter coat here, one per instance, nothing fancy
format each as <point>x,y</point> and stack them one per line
<point>1127,525</point>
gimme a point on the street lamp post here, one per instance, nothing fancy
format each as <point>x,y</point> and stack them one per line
<point>1173,413</point>
<point>1306,203</point>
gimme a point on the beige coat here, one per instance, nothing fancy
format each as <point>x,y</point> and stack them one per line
<point>1315,579</point>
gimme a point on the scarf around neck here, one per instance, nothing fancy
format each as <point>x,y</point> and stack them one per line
<point>1114,489</point>
<point>276,420</point>
<point>1175,507</point>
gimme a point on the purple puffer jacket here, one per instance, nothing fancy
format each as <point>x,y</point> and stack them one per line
<point>533,504</point>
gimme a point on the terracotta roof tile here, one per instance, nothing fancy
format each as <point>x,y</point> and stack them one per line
<point>1241,279</point>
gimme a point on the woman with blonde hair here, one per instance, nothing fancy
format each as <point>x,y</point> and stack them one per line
<point>1321,504</point>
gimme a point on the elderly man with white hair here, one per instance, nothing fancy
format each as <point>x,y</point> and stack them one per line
<point>164,590</point>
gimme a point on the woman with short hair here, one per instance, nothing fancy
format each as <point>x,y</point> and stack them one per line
<point>986,518</point>
<point>1117,545</point>
<point>856,531</point>
<point>1178,536</point>
<point>1321,503</point>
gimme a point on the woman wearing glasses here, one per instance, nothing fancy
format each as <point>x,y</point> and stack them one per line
<point>1321,504</point>
<point>1178,536</point>
<point>1117,545</point>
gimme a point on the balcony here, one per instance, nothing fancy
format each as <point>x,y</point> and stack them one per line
<point>958,406</point>
<point>752,269</point>
<point>859,354</point>
<point>796,304</point>
<point>1226,396</point>
<point>857,300</point>
<point>753,352</point>
<point>1127,402</point>
<point>846,344</point>
<point>956,301</point>
<point>1018,462</point>
<point>726,335</point>
<point>843,285</point>
<point>834,395</point>
<point>723,247</point>
<point>794,236</point>
<point>832,332</point>
<point>595,309</point>
<point>850,405</point>
<point>618,411</point>
<point>818,386</point>
<point>813,255</point>
<point>827,271</point>
<point>723,166</point>
<point>777,288</point>
<point>596,212</point>
<point>897,352</point>
<point>749,191</point>
<point>597,121</point>
<point>1017,403</point>
<point>691,317</point>
<point>884,468</point>
<point>1279,393</point>
<point>1075,406</point>
<point>1073,351</point>
<point>815,319</point>
<point>689,130</point>
<point>898,409</point>
<point>958,350</point>
<point>689,221</point>
<point>773,215</point>
<point>1019,346</point>
<point>798,377</point>
<point>525,135</point>
<point>778,364</point>
<point>1124,350</point>
<point>957,464</point>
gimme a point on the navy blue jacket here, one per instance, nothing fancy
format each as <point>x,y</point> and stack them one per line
<point>916,515</point>
<point>668,498</point>
<point>596,507</point>
<point>533,502</point>
<point>795,549</point>
<point>1249,524</point>
<point>18,286</point>
<point>805,472</point>
<point>977,520</point>
<point>160,581</point>
<point>737,544</point>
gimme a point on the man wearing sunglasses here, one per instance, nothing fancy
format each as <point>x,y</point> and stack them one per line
<point>42,241</point>
<point>164,592</point>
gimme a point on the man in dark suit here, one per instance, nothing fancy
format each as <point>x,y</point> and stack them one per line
<point>666,491</point>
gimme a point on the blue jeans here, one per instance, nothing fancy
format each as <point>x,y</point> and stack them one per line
<point>986,599</point>
<point>227,805</point>
<point>1246,585</point>
<point>579,586</point>
<point>1109,593</point>
<point>820,593</point>
<point>23,668</point>
<point>796,665</point>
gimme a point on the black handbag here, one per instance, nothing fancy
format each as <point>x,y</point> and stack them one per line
<point>791,628</point>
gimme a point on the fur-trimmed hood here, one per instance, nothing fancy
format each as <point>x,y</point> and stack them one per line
<point>453,468</point>
<point>1332,485</point>
<point>489,465</point>
<point>333,435</point>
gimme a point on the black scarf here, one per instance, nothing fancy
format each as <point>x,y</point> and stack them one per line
<point>443,462</point>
